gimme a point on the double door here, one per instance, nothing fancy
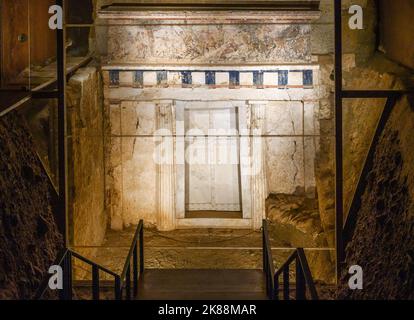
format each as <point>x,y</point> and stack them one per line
<point>212,172</point>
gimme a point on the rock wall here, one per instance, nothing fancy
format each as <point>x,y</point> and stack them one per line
<point>86,159</point>
<point>360,120</point>
<point>383,242</point>
<point>29,237</point>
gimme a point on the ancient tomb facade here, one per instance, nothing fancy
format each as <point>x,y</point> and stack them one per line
<point>207,112</point>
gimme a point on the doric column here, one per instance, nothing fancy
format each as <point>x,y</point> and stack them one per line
<point>258,176</point>
<point>165,167</point>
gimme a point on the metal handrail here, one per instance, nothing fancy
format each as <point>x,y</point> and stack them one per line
<point>64,260</point>
<point>304,279</point>
<point>125,278</point>
<point>268,267</point>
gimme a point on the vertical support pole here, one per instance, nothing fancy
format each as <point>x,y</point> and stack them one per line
<point>68,271</point>
<point>63,293</point>
<point>276,287</point>
<point>339,207</point>
<point>286,283</point>
<point>300,281</point>
<point>62,148</point>
<point>95,282</point>
<point>141,251</point>
<point>128,282</point>
<point>135,269</point>
<point>264,248</point>
<point>118,290</point>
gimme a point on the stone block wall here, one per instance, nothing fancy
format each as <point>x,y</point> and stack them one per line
<point>291,131</point>
<point>86,181</point>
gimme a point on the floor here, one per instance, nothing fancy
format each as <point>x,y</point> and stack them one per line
<point>193,249</point>
<point>231,249</point>
<point>203,264</point>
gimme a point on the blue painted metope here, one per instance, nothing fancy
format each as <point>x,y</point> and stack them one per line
<point>308,77</point>
<point>138,79</point>
<point>234,78</point>
<point>258,78</point>
<point>210,78</point>
<point>186,77</point>
<point>283,77</point>
<point>114,77</point>
<point>162,78</point>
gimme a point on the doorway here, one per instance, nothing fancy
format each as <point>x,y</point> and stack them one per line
<point>212,167</point>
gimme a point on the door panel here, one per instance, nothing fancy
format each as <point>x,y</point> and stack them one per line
<point>212,169</point>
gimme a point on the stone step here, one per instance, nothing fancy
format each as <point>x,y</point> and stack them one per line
<point>202,284</point>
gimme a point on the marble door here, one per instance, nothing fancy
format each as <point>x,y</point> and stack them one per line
<point>212,172</point>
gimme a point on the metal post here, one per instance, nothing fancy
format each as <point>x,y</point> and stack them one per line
<point>62,148</point>
<point>338,137</point>
<point>141,250</point>
<point>276,287</point>
<point>286,283</point>
<point>95,282</point>
<point>118,290</point>
<point>63,293</point>
<point>128,282</point>
<point>300,281</point>
<point>135,269</point>
<point>69,288</point>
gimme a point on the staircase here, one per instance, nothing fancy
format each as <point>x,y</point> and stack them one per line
<point>202,284</point>
<point>137,283</point>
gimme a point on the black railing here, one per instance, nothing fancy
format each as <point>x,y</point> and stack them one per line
<point>268,267</point>
<point>65,260</point>
<point>121,282</point>
<point>304,281</point>
<point>125,280</point>
<point>303,277</point>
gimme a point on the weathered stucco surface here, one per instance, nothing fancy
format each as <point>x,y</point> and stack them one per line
<point>209,44</point>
